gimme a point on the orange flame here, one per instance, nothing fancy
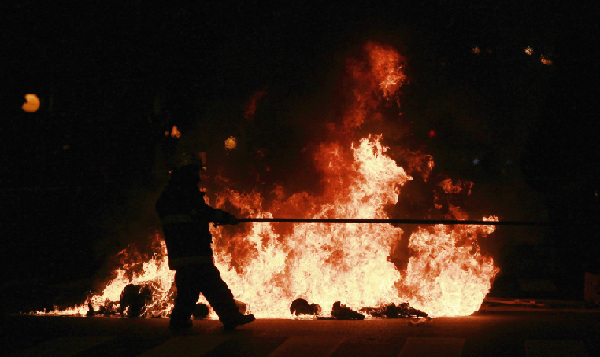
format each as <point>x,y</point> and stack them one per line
<point>387,67</point>
<point>267,266</point>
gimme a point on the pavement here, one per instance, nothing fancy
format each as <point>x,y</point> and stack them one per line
<point>502,332</point>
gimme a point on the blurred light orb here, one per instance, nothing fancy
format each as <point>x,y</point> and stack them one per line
<point>230,143</point>
<point>32,103</point>
<point>545,60</point>
<point>175,133</point>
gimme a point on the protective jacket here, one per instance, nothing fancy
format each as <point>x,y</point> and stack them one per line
<point>185,219</point>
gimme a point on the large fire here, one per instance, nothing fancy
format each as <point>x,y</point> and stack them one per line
<point>268,265</point>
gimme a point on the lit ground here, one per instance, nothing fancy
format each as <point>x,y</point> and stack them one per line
<point>516,332</point>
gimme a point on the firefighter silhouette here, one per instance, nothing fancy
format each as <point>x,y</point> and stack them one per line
<point>185,218</point>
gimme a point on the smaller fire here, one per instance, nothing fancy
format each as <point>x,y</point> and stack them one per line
<point>528,50</point>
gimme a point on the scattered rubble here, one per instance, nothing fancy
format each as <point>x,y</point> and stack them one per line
<point>393,312</point>
<point>134,299</point>
<point>106,310</point>
<point>342,312</point>
<point>302,307</point>
<point>200,311</point>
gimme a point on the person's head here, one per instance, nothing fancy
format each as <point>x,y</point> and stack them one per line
<point>186,175</point>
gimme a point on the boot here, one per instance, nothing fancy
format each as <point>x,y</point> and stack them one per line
<point>238,320</point>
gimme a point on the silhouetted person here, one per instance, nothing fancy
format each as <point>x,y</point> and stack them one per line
<point>185,218</point>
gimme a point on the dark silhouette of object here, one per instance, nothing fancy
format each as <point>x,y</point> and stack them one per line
<point>134,299</point>
<point>302,307</point>
<point>200,311</point>
<point>402,310</point>
<point>342,312</point>
<point>392,311</point>
<point>91,311</point>
<point>185,219</point>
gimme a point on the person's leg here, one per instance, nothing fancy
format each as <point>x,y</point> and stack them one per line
<point>218,294</point>
<point>187,282</point>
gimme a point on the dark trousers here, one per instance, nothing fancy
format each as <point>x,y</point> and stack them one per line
<point>206,279</point>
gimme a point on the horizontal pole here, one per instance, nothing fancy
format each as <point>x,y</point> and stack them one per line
<point>395,221</point>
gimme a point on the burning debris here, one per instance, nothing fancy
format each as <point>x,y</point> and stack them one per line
<point>200,311</point>
<point>134,299</point>
<point>302,307</point>
<point>107,310</point>
<point>342,312</point>
<point>392,311</point>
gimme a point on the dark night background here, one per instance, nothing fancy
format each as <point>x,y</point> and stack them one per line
<point>78,175</point>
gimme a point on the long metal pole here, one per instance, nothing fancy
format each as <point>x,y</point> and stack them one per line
<point>396,221</point>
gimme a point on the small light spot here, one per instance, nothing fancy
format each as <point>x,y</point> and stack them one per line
<point>32,103</point>
<point>175,133</point>
<point>546,61</point>
<point>230,143</point>
<point>476,161</point>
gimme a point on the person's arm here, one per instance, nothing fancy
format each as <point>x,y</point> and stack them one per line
<point>214,215</point>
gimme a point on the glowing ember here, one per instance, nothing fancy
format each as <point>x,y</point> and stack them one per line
<point>267,266</point>
<point>32,103</point>
<point>545,60</point>
<point>528,51</point>
<point>230,143</point>
<point>175,133</point>
<point>476,50</point>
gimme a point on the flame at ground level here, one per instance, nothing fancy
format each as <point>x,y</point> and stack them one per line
<point>267,266</point>
<point>446,274</point>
